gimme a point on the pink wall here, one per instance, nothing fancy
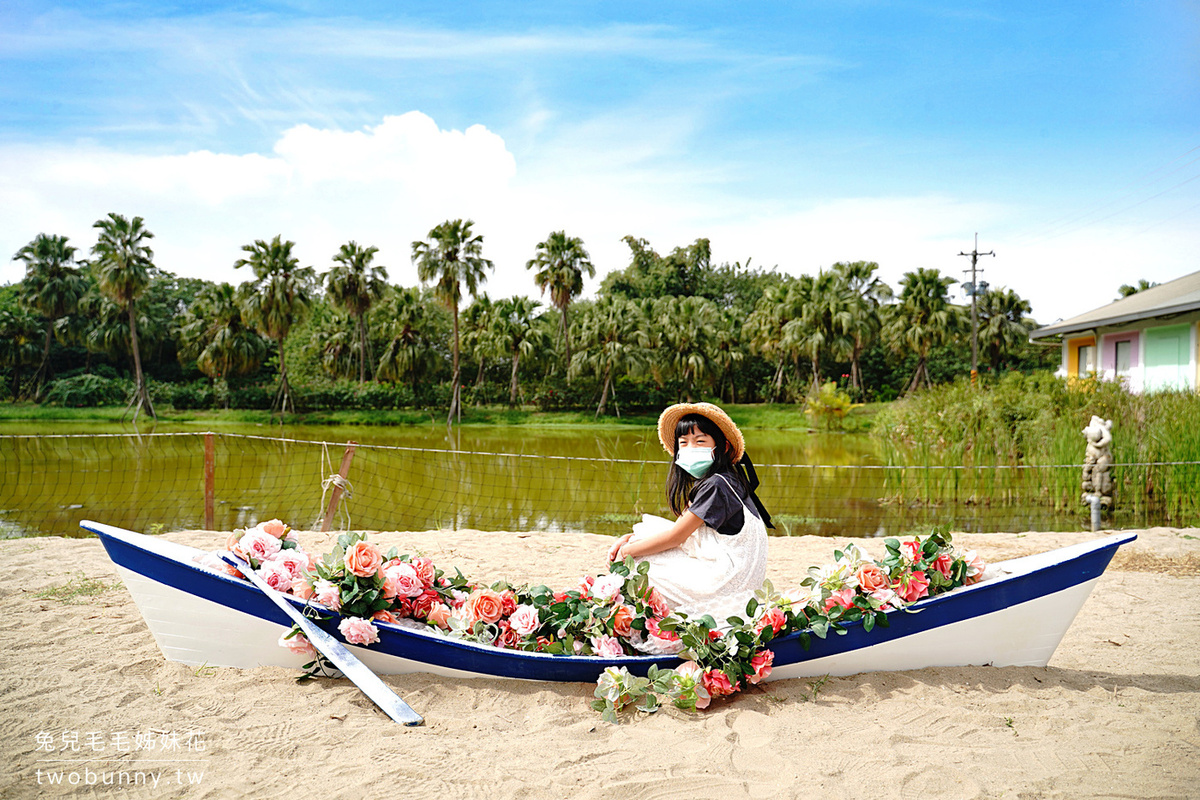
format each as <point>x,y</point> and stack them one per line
<point>1108,349</point>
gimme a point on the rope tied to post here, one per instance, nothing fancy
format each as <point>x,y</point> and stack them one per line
<point>341,487</point>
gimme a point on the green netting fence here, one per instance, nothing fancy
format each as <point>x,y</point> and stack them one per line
<point>222,481</point>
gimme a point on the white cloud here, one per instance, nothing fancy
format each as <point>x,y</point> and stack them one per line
<point>388,184</point>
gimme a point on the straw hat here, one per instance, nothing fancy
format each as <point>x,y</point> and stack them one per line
<point>670,418</point>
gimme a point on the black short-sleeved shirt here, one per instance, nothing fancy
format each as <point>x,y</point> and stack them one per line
<point>719,501</point>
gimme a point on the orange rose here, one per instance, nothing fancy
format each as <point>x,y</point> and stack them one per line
<point>621,618</point>
<point>439,615</point>
<point>363,559</point>
<point>231,544</point>
<point>870,577</point>
<point>484,605</point>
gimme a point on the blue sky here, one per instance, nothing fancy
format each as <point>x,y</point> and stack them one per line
<point>797,135</point>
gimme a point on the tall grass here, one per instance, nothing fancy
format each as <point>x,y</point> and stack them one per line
<point>958,434</point>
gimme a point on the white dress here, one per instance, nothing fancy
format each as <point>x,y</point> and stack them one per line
<point>710,573</point>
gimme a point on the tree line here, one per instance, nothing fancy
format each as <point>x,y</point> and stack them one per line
<point>664,328</point>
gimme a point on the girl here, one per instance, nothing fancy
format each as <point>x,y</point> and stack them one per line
<point>713,558</point>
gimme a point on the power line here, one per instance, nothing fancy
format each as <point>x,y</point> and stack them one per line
<point>974,290</point>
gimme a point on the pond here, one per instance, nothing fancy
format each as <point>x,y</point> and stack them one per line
<point>598,480</point>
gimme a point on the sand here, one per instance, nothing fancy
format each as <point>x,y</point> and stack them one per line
<point>1115,714</point>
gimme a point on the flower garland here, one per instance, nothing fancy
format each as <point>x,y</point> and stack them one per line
<point>610,615</point>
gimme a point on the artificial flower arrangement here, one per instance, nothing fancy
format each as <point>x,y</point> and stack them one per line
<point>610,615</point>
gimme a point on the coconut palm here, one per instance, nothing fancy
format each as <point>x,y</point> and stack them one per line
<point>123,267</point>
<point>517,332</point>
<point>561,262</point>
<point>861,319</point>
<point>727,353</point>
<point>477,324</point>
<point>452,257</point>
<point>355,284</point>
<point>409,351</point>
<point>922,318</point>
<point>276,299</point>
<point>52,287</point>
<point>1003,326</point>
<point>214,334</point>
<point>612,335</point>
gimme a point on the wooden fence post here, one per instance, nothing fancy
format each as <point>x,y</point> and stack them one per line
<point>336,495</point>
<point>210,471</point>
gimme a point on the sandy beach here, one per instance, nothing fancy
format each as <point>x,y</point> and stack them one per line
<point>1116,714</point>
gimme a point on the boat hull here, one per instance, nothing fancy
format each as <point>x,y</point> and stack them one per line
<point>1017,618</point>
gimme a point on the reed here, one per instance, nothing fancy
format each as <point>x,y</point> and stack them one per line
<point>958,435</point>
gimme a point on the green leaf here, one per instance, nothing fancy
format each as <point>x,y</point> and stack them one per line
<point>751,607</point>
<point>868,622</point>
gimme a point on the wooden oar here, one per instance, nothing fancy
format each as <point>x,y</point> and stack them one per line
<point>358,673</point>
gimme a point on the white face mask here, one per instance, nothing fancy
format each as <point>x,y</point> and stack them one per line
<point>695,461</point>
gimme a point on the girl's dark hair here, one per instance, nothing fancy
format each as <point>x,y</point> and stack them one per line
<point>679,482</point>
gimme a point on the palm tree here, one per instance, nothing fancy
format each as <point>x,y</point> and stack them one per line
<point>764,329</point>
<point>861,321</point>
<point>452,257</point>
<point>52,287</point>
<point>687,344</point>
<point>123,266</point>
<point>1003,326</point>
<point>922,318</point>
<point>727,352</point>
<point>1142,285</point>
<point>818,329</point>
<point>355,285</point>
<point>19,332</point>
<point>276,299</point>
<point>478,322</point>
<point>212,332</point>
<point>409,350</point>
<point>561,262</point>
<point>612,334</point>
<point>518,333</point>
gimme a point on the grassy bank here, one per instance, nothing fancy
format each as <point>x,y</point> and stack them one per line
<point>751,416</point>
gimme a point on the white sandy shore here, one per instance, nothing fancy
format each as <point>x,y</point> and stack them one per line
<point>1116,714</point>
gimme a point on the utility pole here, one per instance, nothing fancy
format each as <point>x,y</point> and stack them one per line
<point>974,288</point>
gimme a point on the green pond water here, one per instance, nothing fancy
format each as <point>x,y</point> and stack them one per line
<point>416,478</point>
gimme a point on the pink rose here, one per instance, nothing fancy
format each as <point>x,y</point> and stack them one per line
<point>298,644</point>
<point>975,567</point>
<point>870,577</point>
<point>233,544</point>
<point>585,584</point>
<point>774,618</point>
<point>657,632</point>
<point>658,604</point>
<point>560,597</point>
<point>761,664</point>
<point>717,683</point>
<point>302,588</point>
<point>363,559</point>
<point>327,594</point>
<point>912,588</point>
<point>607,588</point>
<point>524,620</point>
<point>942,564</point>
<point>423,602</point>
<point>258,545</point>
<point>274,527</point>
<point>408,583</point>
<point>607,646</point>
<point>439,614</point>
<point>357,630</point>
<point>886,597</point>
<point>842,597</point>
<point>484,605</point>
<point>296,562</point>
<point>691,681</point>
<point>508,602</point>
<point>276,576</point>
<point>508,637</point>
<point>911,550</point>
<point>425,570</point>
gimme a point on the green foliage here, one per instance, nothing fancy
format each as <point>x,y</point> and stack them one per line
<point>82,391</point>
<point>829,406</point>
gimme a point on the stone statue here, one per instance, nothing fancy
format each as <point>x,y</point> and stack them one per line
<point>1097,461</point>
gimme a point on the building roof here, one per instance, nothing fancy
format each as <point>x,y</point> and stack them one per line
<point>1165,300</point>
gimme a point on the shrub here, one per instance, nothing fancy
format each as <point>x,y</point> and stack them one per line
<point>83,391</point>
<point>197,394</point>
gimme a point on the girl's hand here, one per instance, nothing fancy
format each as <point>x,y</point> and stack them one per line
<point>616,548</point>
